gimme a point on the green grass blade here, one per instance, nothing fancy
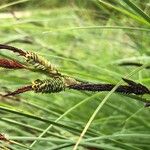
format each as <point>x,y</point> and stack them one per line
<point>137,10</point>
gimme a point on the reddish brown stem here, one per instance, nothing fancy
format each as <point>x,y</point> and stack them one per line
<point>13,49</point>
<point>10,64</point>
<point>20,90</point>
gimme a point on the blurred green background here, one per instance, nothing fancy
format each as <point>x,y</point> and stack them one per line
<point>86,39</point>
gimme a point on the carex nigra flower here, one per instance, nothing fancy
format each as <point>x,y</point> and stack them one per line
<point>56,81</point>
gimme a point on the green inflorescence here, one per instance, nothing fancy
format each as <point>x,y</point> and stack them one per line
<point>52,85</point>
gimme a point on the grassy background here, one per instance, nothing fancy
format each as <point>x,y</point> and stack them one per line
<point>86,40</point>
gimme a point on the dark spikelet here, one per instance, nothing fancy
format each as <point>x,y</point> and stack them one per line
<point>129,82</point>
<point>10,64</point>
<point>13,49</point>
<point>92,87</point>
<point>20,90</point>
<point>101,87</point>
<point>135,88</point>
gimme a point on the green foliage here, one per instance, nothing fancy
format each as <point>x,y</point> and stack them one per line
<point>87,40</point>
